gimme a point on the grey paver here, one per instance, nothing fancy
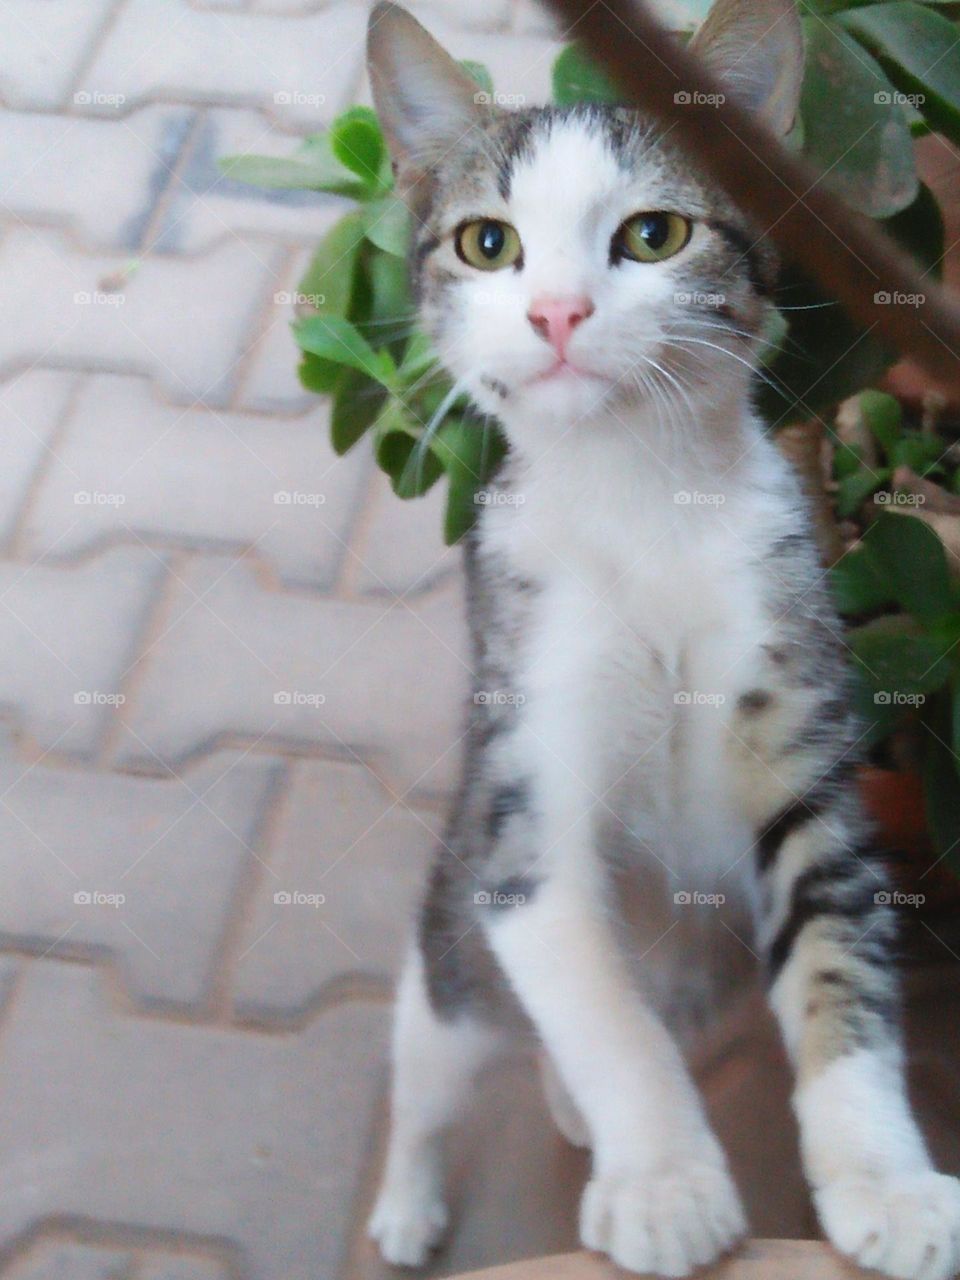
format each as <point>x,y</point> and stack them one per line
<point>31,408</point>
<point>42,47</point>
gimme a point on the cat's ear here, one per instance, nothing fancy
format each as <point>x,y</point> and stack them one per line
<point>756,48</point>
<point>426,102</point>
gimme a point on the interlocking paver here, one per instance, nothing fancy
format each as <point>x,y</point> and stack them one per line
<point>67,638</point>
<point>60,1260</point>
<point>401,549</point>
<point>349,865</point>
<point>216,1135</point>
<point>184,321</point>
<point>99,178</point>
<point>198,477</point>
<point>145,870</point>
<point>31,407</point>
<point>300,69</point>
<point>42,47</point>
<point>270,381</point>
<point>355,678</point>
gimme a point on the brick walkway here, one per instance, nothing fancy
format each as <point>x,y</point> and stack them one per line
<point>230,722</point>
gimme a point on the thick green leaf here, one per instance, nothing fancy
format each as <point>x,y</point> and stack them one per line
<point>919,452</point>
<point>321,376</point>
<point>387,225</point>
<point>883,416</point>
<point>336,339</point>
<point>897,660</point>
<point>847,460</point>
<point>854,131</point>
<point>391,305</point>
<point>577,78</point>
<point>470,452</point>
<point>854,489</point>
<point>858,585</point>
<point>313,167</point>
<point>918,50</point>
<point>911,558</point>
<point>332,273</point>
<point>356,140</point>
<point>879,715</point>
<point>356,405</point>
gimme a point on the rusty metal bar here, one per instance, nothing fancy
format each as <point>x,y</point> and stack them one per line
<point>847,252</point>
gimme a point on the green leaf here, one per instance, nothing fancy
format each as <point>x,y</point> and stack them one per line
<point>854,489</point>
<point>313,167</point>
<point>357,404</point>
<point>858,585</point>
<point>479,74</point>
<point>854,131</point>
<point>337,340</point>
<point>403,453</point>
<point>896,659</point>
<point>357,141</point>
<point>911,558</point>
<point>879,716</point>
<point>332,273</point>
<point>918,50</point>
<point>883,416</point>
<point>470,452</point>
<point>577,78</point>
<point>391,306</point>
<point>321,376</point>
<point>847,459</point>
<point>921,453</point>
<point>387,225</point>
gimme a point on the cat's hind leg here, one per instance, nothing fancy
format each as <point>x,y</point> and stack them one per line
<point>436,1059</point>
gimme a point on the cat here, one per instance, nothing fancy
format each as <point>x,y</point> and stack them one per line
<point>661,700</point>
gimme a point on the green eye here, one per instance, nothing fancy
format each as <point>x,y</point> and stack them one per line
<point>487,244</point>
<point>652,237</point>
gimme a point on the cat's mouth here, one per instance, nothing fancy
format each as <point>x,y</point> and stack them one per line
<point>563,369</point>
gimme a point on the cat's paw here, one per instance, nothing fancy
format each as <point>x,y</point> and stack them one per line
<point>667,1222</point>
<point>407,1226</point>
<point>906,1226</point>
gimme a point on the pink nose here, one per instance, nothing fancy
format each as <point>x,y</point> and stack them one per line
<point>556,318</point>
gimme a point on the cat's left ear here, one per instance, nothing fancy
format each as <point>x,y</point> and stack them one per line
<point>756,48</point>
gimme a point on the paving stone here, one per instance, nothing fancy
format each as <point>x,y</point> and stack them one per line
<point>270,383</point>
<point>205,206</point>
<point>184,321</point>
<point>300,69</point>
<point>197,477</point>
<point>99,178</point>
<point>214,1134</point>
<point>42,47</point>
<point>145,870</point>
<point>31,407</point>
<point>60,1260</point>
<point>375,678</point>
<point>350,865</point>
<point>182,1269</point>
<point>66,640</point>
<point>401,550</point>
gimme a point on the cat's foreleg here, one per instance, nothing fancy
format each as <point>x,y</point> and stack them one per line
<point>829,939</point>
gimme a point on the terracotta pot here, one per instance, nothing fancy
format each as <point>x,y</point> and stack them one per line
<point>895,802</point>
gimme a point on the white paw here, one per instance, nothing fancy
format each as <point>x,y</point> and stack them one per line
<point>907,1226</point>
<point>668,1221</point>
<point>407,1226</point>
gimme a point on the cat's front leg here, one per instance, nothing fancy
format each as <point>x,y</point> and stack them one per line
<point>660,1198</point>
<point>829,940</point>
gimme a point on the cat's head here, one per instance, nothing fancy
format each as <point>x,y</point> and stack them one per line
<point>570,261</point>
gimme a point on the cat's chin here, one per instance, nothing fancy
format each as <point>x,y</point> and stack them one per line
<point>565,395</point>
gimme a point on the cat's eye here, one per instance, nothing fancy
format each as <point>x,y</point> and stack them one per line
<point>651,237</point>
<point>488,244</point>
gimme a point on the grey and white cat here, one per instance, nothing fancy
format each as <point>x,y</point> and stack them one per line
<point>660,696</point>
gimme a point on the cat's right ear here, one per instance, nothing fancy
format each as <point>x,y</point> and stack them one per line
<point>426,102</point>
